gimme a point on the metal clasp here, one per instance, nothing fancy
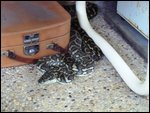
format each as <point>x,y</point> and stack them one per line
<point>4,53</point>
<point>50,46</point>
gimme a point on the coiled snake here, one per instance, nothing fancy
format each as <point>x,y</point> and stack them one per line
<point>80,58</point>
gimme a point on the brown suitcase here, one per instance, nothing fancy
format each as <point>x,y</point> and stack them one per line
<point>30,29</point>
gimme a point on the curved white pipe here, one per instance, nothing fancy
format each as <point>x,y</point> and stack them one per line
<point>139,87</point>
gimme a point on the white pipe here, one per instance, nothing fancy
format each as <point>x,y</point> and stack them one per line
<point>139,87</point>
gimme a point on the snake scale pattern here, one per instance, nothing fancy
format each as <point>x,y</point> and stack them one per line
<point>80,58</point>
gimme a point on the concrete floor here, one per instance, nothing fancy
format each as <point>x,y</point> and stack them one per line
<point>103,90</point>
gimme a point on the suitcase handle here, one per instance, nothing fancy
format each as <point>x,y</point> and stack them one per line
<point>13,56</point>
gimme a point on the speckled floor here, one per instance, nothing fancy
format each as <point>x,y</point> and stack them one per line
<point>102,90</point>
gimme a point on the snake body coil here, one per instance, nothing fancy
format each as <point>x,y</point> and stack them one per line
<point>80,58</point>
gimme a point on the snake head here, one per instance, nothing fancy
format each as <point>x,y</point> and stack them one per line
<point>47,78</point>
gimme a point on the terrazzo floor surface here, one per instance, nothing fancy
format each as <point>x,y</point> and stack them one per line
<point>102,90</point>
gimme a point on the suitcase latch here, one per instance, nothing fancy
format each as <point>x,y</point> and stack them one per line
<point>31,44</point>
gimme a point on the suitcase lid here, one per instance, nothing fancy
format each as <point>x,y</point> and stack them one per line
<point>27,16</point>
